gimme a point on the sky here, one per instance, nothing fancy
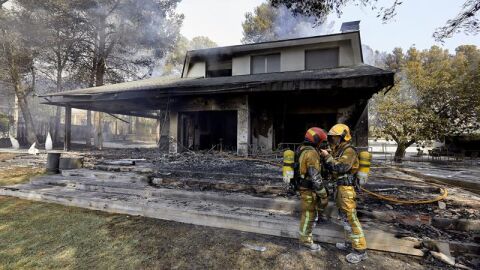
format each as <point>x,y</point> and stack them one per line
<point>414,24</point>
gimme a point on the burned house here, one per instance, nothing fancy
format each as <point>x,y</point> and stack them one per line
<point>253,97</point>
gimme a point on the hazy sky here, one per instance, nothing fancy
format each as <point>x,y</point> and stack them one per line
<point>414,24</point>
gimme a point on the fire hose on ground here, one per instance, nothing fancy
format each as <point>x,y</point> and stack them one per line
<point>443,190</point>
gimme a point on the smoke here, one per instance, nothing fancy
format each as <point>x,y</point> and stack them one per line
<point>287,25</point>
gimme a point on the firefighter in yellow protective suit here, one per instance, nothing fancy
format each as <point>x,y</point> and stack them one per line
<point>313,195</point>
<point>343,164</point>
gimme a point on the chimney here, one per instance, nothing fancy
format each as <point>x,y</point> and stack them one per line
<point>350,26</point>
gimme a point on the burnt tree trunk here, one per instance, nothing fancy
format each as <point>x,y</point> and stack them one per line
<point>27,116</point>
<point>20,91</point>
<point>99,77</point>
<point>59,84</point>
<point>93,71</point>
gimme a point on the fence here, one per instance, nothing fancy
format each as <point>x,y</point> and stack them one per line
<point>444,157</point>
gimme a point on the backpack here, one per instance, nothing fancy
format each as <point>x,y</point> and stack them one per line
<point>294,183</point>
<point>364,161</point>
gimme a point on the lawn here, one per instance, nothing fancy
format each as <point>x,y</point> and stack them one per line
<point>37,235</point>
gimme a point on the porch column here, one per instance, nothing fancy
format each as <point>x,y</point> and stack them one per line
<point>243,128</point>
<point>98,137</point>
<point>88,134</point>
<point>68,129</point>
<point>173,133</point>
<point>361,129</point>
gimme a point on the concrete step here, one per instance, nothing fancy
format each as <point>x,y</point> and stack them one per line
<point>219,185</point>
<point>142,189</point>
<point>261,178</point>
<point>144,169</point>
<point>104,175</point>
<point>206,213</point>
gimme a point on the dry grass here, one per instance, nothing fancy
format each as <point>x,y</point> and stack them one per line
<point>48,236</point>
<point>18,175</point>
<point>36,235</point>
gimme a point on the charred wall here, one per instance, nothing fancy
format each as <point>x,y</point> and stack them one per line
<point>261,122</point>
<point>208,122</point>
<point>283,119</point>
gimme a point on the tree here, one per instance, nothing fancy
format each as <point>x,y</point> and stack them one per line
<point>259,25</point>
<point>435,95</point>
<point>59,28</point>
<point>448,86</point>
<point>126,41</point>
<point>175,59</point>
<point>267,23</point>
<point>16,59</point>
<point>466,19</point>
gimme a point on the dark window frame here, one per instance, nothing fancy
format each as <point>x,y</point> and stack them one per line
<point>337,54</point>
<point>266,63</point>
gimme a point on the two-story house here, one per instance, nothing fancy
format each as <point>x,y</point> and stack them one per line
<point>250,97</point>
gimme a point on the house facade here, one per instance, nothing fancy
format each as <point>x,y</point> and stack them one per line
<point>250,98</point>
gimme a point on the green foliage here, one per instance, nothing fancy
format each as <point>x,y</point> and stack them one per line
<point>175,59</point>
<point>258,26</point>
<point>267,23</point>
<point>436,94</point>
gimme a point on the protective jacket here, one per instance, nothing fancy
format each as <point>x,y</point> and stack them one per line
<point>343,164</point>
<point>313,195</point>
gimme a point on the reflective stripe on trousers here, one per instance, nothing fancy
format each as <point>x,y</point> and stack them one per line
<point>345,200</point>
<point>311,205</point>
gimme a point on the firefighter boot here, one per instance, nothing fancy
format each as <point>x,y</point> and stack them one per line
<point>344,246</point>
<point>356,256</point>
<point>312,246</point>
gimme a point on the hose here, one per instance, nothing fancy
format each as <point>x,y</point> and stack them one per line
<point>443,190</point>
<point>395,200</point>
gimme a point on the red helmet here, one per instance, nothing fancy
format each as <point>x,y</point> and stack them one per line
<point>315,135</point>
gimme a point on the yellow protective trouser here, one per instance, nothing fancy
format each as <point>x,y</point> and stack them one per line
<point>345,199</point>
<point>312,204</point>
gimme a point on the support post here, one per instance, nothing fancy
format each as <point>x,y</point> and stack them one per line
<point>173,133</point>
<point>243,128</point>
<point>88,134</point>
<point>68,129</point>
<point>98,138</point>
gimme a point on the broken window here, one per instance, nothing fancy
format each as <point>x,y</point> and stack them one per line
<point>265,63</point>
<point>321,58</point>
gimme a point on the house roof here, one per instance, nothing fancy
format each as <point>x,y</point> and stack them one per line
<point>151,92</point>
<point>273,44</point>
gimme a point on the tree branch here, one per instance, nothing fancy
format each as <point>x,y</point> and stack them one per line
<point>465,19</point>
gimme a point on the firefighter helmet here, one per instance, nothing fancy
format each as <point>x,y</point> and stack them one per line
<point>340,130</point>
<point>315,135</point>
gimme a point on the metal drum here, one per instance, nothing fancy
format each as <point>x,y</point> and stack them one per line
<point>53,162</point>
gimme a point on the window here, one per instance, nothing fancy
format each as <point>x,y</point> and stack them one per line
<point>322,58</point>
<point>265,63</point>
<point>219,67</point>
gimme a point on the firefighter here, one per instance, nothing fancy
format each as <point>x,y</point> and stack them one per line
<point>343,164</point>
<point>313,195</point>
